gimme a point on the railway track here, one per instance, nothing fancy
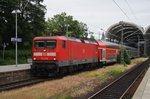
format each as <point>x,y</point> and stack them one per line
<point>119,88</point>
<point>20,84</point>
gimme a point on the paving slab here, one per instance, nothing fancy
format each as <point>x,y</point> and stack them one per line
<point>143,91</point>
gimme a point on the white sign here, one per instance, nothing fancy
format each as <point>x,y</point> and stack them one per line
<point>14,39</point>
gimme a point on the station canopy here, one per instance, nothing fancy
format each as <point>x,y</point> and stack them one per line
<point>147,39</point>
<point>128,33</point>
<point>147,33</point>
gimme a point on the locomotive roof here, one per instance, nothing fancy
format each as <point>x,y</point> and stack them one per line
<point>66,38</point>
<point>82,40</point>
<point>50,37</point>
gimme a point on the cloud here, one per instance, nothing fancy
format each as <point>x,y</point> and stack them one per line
<point>100,13</point>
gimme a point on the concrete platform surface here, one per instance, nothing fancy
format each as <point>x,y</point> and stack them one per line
<point>14,68</point>
<point>143,91</point>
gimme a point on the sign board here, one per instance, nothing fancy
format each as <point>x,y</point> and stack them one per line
<point>14,39</point>
<point>19,40</point>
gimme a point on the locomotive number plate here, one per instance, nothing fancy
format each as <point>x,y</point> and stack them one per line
<point>44,54</point>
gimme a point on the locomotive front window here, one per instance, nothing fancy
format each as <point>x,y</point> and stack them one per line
<point>51,44</point>
<point>45,44</point>
<point>39,44</point>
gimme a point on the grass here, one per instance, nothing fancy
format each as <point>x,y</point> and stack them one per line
<point>138,60</point>
<point>70,86</point>
<point>13,61</point>
<point>115,72</point>
<point>62,97</point>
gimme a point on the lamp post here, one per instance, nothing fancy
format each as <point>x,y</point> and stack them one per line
<point>16,11</point>
<point>67,25</point>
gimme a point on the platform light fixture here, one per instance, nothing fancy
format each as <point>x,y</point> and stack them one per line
<point>16,12</point>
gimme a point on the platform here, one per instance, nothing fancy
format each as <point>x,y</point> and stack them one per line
<point>14,68</point>
<point>143,91</point>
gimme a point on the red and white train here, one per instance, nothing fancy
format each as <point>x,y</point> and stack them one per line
<point>59,54</point>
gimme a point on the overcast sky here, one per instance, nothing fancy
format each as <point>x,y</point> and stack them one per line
<point>99,14</point>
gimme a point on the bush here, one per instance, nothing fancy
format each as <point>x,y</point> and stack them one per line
<point>126,57</point>
<point>10,56</point>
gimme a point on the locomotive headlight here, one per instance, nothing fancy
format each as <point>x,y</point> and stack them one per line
<point>54,58</point>
<point>34,58</point>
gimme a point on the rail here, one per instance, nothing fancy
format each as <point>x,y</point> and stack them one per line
<point>118,89</point>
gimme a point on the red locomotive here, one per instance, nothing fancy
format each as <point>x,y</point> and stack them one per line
<point>59,54</point>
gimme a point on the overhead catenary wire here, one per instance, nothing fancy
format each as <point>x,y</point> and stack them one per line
<point>132,12</point>
<point>121,10</point>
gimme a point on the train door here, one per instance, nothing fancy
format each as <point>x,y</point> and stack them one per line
<point>103,51</point>
<point>70,52</point>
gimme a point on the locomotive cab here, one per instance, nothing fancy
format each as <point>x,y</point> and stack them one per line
<point>44,48</point>
<point>44,52</point>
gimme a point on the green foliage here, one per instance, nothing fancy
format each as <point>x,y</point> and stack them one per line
<point>119,58</point>
<point>60,96</point>
<point>115,72</point>
<point>10,57</point>
<point>126,57</point>
<point>68,97</point>
<point>63,24</point>
<point>0,39</point>
<point>31,21</point>
<point>145,55</point>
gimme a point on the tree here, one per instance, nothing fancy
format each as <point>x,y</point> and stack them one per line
<point>92,37</point>
<point>0,39</point>
<point>63,24</point>
<point>127,59</point>
<point>31,21</point>
<point>125,56</point>
<point>83,29</point>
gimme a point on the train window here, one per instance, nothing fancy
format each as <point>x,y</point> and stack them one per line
<point>39,44</point>
<point>51,44</point>
<point>64,44</point>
